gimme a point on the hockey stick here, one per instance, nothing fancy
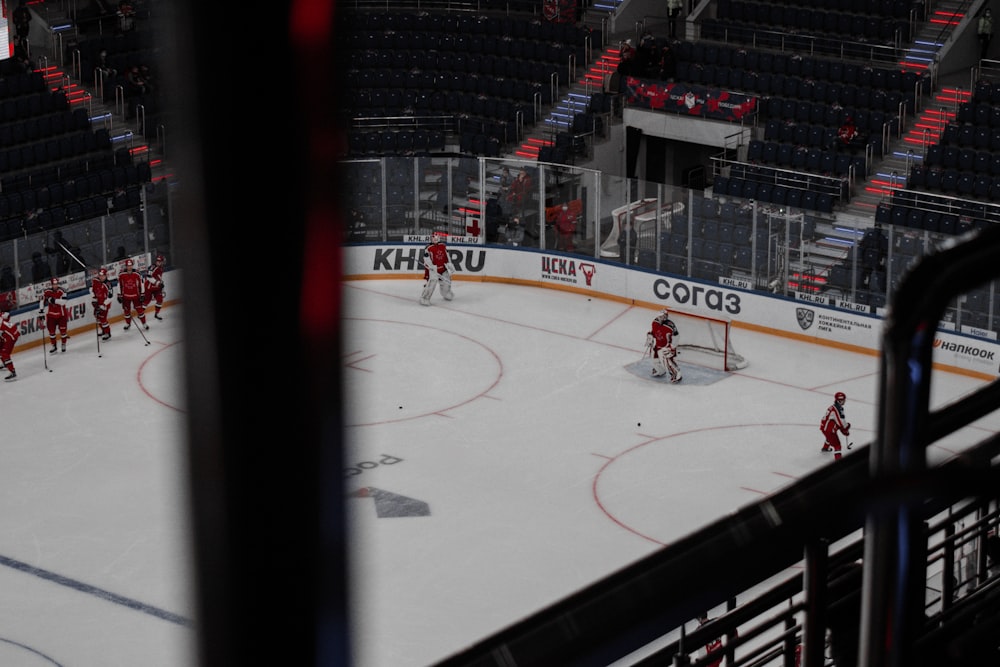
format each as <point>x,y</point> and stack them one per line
<point>850,444</point>
<point>45,345</point>
<point>138,327</point>
<point>97,330</point>
<point>71,255</point>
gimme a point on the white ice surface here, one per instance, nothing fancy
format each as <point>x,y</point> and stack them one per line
<point>544,462</point>
<point>94,527</point>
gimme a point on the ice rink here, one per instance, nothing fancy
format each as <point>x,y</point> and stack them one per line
<point>94,532</point>
<point>503,453</point>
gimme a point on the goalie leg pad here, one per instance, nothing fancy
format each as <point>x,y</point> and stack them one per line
<point>446,287</point>
<point>675,372</point>
<point>666,357</point>
<point>425,296</point>
<point>658,368</point>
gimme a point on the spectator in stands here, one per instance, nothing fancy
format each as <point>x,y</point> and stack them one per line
<point>20,61</point>
<point>40,269</point>
<point>7,279</point>
<point>985,31</point>
<point>520,191</point>
<point>148,80</point>
<point>566,228</point>
<point>628,239</point>
<point>135,83</point>
<point>673,14</point>
<point>63,253</point>
<point>357,227</point>
<point>126,16</point>
<point>647,55</point>
<point>104,66</point>
<point>494,219</point>
<point>119,200</point>
<point>627,64</point>
<point>22,22</point>
<point>667,64</point>
<point>848,133</point>
<point>515,231</point>
<point>505,181</point>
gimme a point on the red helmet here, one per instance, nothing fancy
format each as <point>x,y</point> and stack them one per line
<point>128,263</point>
<point>840,397</point>
<point>54,282</point>
<point>103,273</point>
<point>160,258</point>
<point>439,237</point>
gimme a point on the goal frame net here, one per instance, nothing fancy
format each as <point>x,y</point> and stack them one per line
<point>706,341</point>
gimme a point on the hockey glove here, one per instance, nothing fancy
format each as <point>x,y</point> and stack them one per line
<point>51,300</point>
<point>119,298</point>
<point>41,311</point>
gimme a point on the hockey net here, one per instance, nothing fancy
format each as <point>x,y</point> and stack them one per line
<point>706,341</point>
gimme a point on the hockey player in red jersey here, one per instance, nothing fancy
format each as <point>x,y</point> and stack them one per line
<point>833,423</point>
<point>130,295</point>
<point>437,269</point>
<point>9,334</point>
<point>53,306</point>
<point>153,290</point>
<point>660,346</point>
<point>100,301</point>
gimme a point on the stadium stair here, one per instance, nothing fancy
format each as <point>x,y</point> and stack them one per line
<point>937,108</point>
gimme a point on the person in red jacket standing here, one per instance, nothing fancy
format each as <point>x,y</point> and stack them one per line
<point>153,290</point>
<point>53,306</point>
<point>9,333</point>
<point>130,294</point>
<point>566,228</point>
<point>100,301</point>
<point>833,423</point>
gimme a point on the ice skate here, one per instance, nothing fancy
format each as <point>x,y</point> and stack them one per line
<point>106,336</point>
<point>425,302</point>
<point>12,376</point>
<point>63,347</point>
<point>157,316</point>
<point>128,326</point>
<point>676,378</point>
<point>54,349</point>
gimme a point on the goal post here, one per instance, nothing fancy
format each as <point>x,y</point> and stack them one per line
<point>706,341</point>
